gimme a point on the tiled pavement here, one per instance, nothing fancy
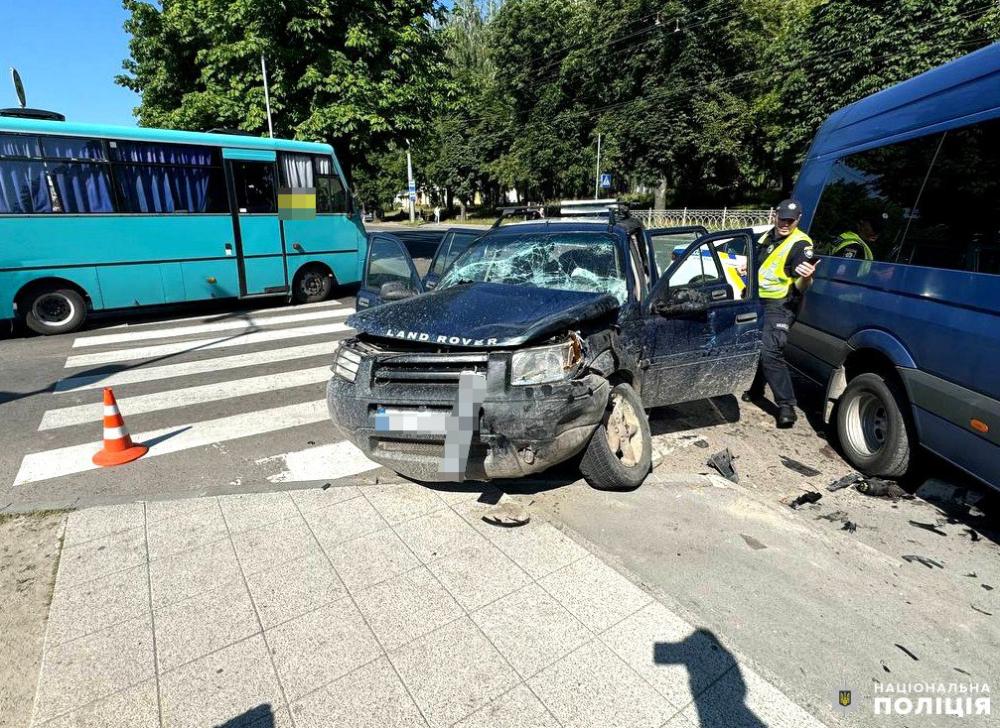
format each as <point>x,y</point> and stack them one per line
<point>383,606</point>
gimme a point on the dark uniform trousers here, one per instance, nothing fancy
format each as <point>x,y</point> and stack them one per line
<point>778,318</point>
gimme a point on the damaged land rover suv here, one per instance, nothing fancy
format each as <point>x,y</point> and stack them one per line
<point>543,340</point>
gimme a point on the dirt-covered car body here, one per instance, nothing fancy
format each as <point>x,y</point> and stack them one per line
<point>508,366</point>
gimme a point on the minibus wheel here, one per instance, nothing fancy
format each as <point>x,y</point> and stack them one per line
<point>312,284</point>
<point>54,310</point>
<point>873,426</point>
<point>620,452</point>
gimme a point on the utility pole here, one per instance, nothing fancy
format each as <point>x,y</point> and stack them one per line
<point>597,173</point>
<point>267,96</point>
<point>411,187</point>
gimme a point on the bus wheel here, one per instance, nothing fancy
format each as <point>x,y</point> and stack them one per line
<point>873,428</point>
<point>54,310</point>
<point>312,284</point>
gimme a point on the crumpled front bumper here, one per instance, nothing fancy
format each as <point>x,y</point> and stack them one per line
<point>521,430</point>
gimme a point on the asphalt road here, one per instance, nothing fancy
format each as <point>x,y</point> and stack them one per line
<point>230,398</point>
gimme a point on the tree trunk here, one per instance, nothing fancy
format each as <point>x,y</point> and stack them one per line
<point>461,207</point>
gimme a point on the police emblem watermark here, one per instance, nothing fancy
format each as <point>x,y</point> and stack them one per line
<point>945,700</point>
<point>846,702</point>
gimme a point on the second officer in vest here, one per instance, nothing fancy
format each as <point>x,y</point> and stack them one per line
<point>782,277</point>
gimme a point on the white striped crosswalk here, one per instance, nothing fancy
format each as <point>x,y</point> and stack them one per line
<point>203,366</point>
<point>273,382</point>
<point>83,413</point>
<point>248,323</point>
<point>194,345</point>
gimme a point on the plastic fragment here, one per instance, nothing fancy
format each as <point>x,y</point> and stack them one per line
<point>722,461</point>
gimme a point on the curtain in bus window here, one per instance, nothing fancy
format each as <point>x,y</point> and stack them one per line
<point>170,189</point>
<point>324,166</point>
<point>954,223</point>
<point>72,148</point>
<point>871,196</point>
<point>297,170</point>
<point>80,188</point>
<point>14,145</point>
<point>23,188</point>
<point>155,153</point>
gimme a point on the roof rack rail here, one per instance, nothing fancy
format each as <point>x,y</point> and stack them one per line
<point>40,114</point>
<point>534,211</point>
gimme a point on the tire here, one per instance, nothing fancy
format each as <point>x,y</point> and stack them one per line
<point>605,465</point>
<point>873,426</point>
<point>54,310</point>
<point>312,284</point>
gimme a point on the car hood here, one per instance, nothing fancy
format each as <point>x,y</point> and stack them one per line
<point>482,315</point>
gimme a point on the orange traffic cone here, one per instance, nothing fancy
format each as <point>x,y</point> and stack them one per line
<point>118,448</point>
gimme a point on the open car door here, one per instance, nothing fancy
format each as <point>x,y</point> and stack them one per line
<point>390,274</point>
<point>667,243</point>
<point>702,328</point>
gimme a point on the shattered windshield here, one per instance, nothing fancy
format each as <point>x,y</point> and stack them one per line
<point>585,262</point>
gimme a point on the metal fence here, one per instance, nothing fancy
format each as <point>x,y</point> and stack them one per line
<point>724,219</point>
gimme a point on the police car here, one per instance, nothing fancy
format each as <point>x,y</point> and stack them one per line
<point>545,339</point>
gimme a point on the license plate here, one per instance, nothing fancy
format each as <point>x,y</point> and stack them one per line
<point>423,422</point>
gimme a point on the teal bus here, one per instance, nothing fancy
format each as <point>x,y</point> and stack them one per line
<point>96,217</point>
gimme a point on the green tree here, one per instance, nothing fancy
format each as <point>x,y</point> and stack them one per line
<point>361,74</point>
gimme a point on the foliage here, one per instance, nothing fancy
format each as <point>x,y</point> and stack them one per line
<point>698,102</point>
<point>362,75</point>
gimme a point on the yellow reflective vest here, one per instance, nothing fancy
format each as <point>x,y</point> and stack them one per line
<point>848,239</point>
<point>772,281</point>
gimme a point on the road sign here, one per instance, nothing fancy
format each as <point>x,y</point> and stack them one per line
<point>605,181</point>
<point>412,189</point>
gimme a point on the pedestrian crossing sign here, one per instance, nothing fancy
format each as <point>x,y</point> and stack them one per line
<point>605,181</point>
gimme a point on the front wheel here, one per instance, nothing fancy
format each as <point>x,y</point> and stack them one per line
<point>873,428</point>
<point>619,454</point>
<point>311,285</point>
<point>54,310</point>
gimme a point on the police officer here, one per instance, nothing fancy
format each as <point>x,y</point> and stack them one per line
<point>782,277</point>
<point>850,244</point>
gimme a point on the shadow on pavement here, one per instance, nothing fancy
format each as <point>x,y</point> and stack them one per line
<point>701,653</point>
<point>260,717</point>
<point>165,436</point>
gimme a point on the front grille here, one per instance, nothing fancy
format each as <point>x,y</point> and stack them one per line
<point>433,369</point>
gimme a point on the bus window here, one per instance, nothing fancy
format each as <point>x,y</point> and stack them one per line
<point>18,145</point>
<point>73,148</point>
<point>78,188</point>
<point>296,170</point>
<point>164,188</point>
<point>254,184</point>
<point>331,195</point>
<point>165,178</point>
<point>869,199</point>
<point>23,188</point>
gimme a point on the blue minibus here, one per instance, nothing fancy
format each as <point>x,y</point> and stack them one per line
<point>901,190</point>
<point>96,217</point>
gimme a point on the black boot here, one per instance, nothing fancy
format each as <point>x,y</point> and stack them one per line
<point>752,396</point>
<point>786,416</point>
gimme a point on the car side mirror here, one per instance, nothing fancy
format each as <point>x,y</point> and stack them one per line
<point>395,291</point>
<point>681,301</point>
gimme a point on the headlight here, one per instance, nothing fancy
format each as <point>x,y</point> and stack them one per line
<point>347,363</point>
<point>546,363</point>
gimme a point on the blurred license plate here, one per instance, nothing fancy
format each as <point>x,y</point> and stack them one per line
<point>388,419</point>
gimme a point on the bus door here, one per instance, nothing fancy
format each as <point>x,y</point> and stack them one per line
<point>259,244</point>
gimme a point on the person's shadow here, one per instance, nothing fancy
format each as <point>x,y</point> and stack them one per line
<point>260,717</point>
<point>715,680</point>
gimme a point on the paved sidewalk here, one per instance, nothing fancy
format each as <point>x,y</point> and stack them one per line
<point>384,605</point>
